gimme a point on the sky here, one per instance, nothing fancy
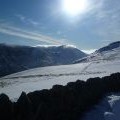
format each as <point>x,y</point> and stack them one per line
<point>87,24</point>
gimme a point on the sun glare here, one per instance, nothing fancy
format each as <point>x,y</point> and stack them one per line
<point>74,7</point>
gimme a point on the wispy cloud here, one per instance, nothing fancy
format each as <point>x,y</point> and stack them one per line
<point>26,20</point>
<point>33,22</point>
<point>106,17</point>
<point>21,17</point>
<point>13,31</point>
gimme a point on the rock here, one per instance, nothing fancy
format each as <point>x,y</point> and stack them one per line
<point>6,108</point>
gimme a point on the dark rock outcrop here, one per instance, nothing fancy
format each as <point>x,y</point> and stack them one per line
<point>6,108</point>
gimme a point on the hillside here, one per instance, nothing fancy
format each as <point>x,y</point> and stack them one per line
<point>107,53</point>
<point>104,63</point>
<point>46,77</point>
<point>18,58</point>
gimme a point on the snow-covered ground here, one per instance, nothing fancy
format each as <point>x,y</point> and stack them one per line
<point>108,109</point>
<point>46,77</point>
<point>101,63</point>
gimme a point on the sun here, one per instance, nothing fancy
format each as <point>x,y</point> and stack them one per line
<point>74,7</point>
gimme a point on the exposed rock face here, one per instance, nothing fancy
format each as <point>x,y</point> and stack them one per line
<point>6,108</point>
<point>68,102</point>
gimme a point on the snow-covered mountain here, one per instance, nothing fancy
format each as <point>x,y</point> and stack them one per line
<point>108,53</point>
<point>110,47</point>
<point>18,58</point>
<point>101,63</point>
<point>45,77</point>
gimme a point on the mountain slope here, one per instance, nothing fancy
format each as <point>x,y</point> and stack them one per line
<point>46,77</point>
<point>111,46</point>
<point>110,52</point>
<point>18,58</point>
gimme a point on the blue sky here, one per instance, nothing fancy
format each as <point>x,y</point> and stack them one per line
<point>38,22</point>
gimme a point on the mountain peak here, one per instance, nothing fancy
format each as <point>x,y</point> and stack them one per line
<point>18,58</point>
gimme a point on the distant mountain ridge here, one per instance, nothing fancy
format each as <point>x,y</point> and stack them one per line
<point>18,58</point>
<point>111,46</point>
<point>109,52</point>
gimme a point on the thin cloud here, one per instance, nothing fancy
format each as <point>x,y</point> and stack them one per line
<point>13,31</point>
<point>26,20</point>
<point>21,17</point>
<point>106,18</point>
<point>34,23</point>
<point>89,51</point>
